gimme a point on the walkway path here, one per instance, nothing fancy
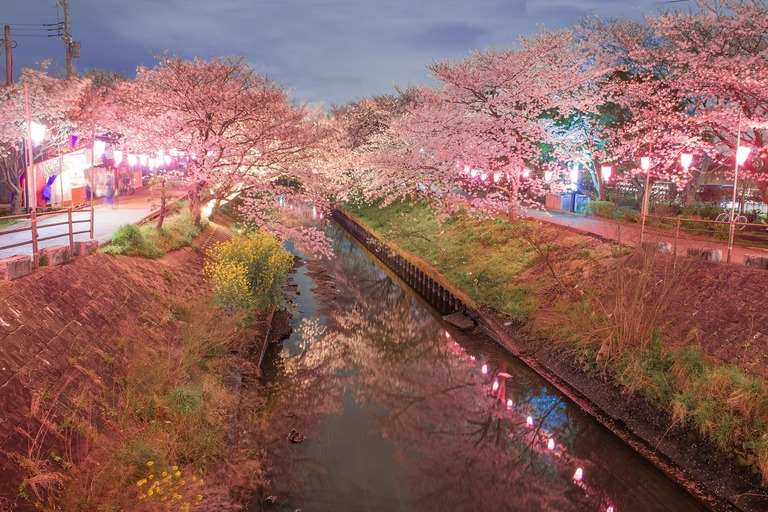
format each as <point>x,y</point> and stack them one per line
<point>127,210</point>
<point>629,234</point>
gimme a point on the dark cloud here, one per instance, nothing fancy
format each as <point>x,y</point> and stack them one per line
<point>327,51</point>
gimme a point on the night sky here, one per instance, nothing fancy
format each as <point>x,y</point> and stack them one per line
<point>323,51</point>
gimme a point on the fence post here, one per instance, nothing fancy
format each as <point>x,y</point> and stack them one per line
<point>677,235</point>
<point>71,234</point>
<point>92,192</point>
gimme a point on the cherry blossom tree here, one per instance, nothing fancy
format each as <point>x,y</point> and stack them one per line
<point>717,54</point>
<point>52,102</point>
<point>472,141</point>
<point>240,131</point>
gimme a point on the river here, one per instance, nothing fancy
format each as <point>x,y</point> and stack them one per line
<point>398,411</point>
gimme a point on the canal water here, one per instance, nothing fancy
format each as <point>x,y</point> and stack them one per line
<point>376,404</point>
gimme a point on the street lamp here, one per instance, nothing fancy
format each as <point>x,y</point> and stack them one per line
<point>741,156</point>
<point>574,177</point>
<point>645,165</point>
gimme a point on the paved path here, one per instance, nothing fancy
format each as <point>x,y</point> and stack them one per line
<point>127,210</point>
<point>629,233</point>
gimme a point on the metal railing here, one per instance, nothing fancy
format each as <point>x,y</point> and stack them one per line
<point>38,229</point>
<point>746,234</point>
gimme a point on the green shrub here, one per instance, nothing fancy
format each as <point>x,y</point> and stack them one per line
<point>129,240</point>
<point>150,242</point>
<point>185,400</point>
<point>629,215</point>
<point>604,209</point>
<point>703,210</point>
<point>249,271</point>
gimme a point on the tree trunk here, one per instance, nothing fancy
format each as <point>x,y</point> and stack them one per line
<point>195,203</point>
<point>162,204</point>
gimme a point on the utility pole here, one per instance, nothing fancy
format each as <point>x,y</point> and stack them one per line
<point>8,56</point>
<point>67,39</point>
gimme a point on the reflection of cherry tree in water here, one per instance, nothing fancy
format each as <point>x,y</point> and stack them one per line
<point>461,447</point>
<point>468,436</point>
<point>303,390</point>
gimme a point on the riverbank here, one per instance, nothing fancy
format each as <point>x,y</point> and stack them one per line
<point>120,382</point>
<point>558,286</point>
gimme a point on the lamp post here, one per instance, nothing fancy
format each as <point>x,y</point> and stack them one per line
<point>574,177</point>
<point>34,133</point>
<point>645,165</point>
<point>741,156</point>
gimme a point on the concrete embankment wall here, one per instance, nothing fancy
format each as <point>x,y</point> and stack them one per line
<point>64,331</point>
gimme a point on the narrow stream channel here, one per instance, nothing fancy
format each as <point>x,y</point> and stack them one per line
<point>403,413</point>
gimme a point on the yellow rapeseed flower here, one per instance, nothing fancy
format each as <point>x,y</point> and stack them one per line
<point>149,463</point>
<point>141,482</point>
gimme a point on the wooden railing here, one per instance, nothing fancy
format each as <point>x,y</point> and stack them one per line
<point>37,226</point>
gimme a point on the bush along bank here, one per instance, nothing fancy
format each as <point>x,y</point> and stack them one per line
<point>615,315</point>
<point>153,416</point>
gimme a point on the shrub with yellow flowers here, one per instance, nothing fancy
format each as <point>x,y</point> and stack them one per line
<point>249,271</point>
<point>170,489</point>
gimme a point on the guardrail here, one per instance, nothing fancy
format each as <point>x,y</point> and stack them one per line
<point>36,228</point>
<point>746,234</point>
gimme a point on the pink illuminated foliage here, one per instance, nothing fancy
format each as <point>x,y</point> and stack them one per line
<point>717,54</point>
<point>468,143</point>
<point>52,102</point>
<point>240,130</point>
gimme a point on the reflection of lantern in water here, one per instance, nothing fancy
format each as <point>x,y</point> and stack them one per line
<point>484,369</point>
<point>529,421</point>
<point>510,404</point>
<point>495,385</point>
<point>551,444</point>
<point>314,212</point>
<point>471,358</point>
<point>609,509</point>
<point>578,475</point>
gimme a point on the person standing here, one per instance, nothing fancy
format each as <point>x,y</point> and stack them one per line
<point>109,194</point>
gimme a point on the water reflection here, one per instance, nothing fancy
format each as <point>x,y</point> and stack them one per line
<point>401,413</point>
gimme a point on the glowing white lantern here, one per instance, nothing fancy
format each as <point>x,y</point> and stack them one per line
<point>574,174</point>
<point>645,163</point>
<point>118,156</point>
<point>143,160</point>
<point>132,159</point>
<point>529,421</point>
<point>99,146</point>
<point>37,132</point>
<point>578,475</point>
<point>551,444</point>
<point>605,170</point>
<point>686,159</point>
<point>741,155</point>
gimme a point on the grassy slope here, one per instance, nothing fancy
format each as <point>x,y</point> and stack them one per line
<point>597,303</point>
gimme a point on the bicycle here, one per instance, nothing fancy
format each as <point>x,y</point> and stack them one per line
<point>725,217</point>
<point>126,189</point>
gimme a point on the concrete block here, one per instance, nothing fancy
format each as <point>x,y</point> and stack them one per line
<point>15,267</point>
<point>756,261</point>
<point>706,254</point>
<point>86,247</point>
<point>55,255</point>
<point>662,247</point>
